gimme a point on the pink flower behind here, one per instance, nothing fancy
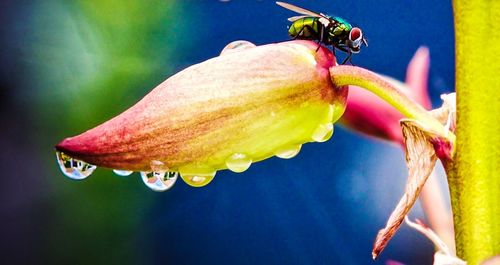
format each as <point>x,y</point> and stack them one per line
<point>369,114</point>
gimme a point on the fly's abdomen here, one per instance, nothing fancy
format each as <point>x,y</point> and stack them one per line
<point>304,28</point>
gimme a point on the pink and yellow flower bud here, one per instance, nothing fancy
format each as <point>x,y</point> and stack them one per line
<point>227,112</point>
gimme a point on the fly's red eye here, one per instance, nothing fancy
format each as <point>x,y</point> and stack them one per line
<point>355,34</point>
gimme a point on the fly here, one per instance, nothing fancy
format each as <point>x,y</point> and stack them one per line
<point>325,29</point>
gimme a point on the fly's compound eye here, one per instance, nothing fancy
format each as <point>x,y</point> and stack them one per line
<point>355,39</point>
<point>355,35</point>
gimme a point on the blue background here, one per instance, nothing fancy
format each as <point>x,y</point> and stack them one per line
<point>68,66</point>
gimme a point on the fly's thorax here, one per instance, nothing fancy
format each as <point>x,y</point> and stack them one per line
<point>343,22</point>
<point>339,30</point>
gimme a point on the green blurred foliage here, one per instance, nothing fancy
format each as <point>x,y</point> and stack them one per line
<point>100,51</point>
<point>89,60</point>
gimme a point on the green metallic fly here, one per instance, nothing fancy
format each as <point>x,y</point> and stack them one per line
<point>325,29</point>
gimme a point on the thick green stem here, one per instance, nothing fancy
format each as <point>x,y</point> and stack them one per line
<point>474,174</point>
<point>350,75</point>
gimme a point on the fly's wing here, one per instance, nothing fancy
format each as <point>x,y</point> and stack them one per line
<point>295,18</point>
<point>299,10</point>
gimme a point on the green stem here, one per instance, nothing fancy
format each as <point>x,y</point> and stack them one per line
<point>474,175</point>
<point>350,75</point>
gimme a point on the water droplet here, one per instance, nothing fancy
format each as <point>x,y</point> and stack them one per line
<point>323,133</point>
<point>159,181</point>
<point>238,162</point>
<point>122,173</point>
<point>74,168</point>
<point>158,166</point>
<point>335,112</point>
<point>288,151</point>
<point>198,180</point>
<point>238,45</point>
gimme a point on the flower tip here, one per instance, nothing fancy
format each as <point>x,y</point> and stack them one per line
<point>417,75</point>
<point>421,59</point>
<point>64,146</point>
<point>72,146</point>
<point>422,52</point>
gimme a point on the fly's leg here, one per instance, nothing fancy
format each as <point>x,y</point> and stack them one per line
<point>319,46</point>
<point>348,58</point>
<point>313,36</point>
<point>311,31</point>
<point>322,32</point>
<point>344,49</point>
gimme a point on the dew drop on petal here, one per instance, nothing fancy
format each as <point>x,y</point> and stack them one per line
<point>157,165</point>
<point>323,132</point>
<point>159,181</point>
<point>236,45</point>
<point>288,151</point>
<point>198,179</point>
<point>122,173</point>
<point>74,168</point>
<point>238,162</point>
<point>336,112</point>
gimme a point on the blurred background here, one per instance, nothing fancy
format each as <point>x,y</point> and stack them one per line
<point>66,66</point>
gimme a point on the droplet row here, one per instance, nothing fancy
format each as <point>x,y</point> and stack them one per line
<point>161,179</point>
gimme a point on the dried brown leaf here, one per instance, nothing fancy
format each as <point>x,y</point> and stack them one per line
<point>420,159</point>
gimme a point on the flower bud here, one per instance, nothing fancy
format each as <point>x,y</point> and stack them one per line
<point>227,112</point>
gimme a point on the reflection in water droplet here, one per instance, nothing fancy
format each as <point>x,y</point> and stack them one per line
<point>288,151</point>
<point>238,162</point>
<point>159,181</point>
<point>123,173</point>
<point>323,133</point>
<point>199,179</point>
<point>74,168</point>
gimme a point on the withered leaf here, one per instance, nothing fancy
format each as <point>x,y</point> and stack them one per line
<point>420,159</point>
